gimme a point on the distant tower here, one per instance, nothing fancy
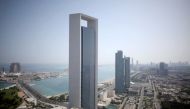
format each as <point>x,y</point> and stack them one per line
<point>83,62</point>
<point>3,70</point>
<point>137,63</point>
<point>15,68</point>
<point>119,72</point>
<point>127,71</point>
<point>132,63</point>
<point>163,68</point>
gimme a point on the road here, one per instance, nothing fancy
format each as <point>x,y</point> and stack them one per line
<point>27,93</point>
<point>140,106</point>
<point>134,73</point>
<point>131,103</point>
<point>156,101</point>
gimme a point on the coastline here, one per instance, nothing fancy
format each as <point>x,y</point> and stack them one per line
<point>107,81</point>
<point>51,84</point>
<point>56,95</point>
<point>6,85</point>
<point>103,82</point>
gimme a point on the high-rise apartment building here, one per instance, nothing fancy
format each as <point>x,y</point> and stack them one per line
<point>119,72</point>
<point>122,72</point>
<point>163,68</point>
<point>15,68</point>
<point>127,71</point>
<point>83,61</point>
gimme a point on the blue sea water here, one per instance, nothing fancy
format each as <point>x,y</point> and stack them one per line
<point>106,72</point>
<point>51,86</point>
<point>58,85</point>
<point>4,84</point>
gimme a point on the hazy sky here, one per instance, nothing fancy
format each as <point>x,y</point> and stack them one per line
<point>37,31</point>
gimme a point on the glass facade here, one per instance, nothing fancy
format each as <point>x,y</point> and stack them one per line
<point>119,73</point>
<point>127,72</point>
<point>87,68</point>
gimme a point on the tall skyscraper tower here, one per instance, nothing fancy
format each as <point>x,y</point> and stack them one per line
<point>15,68</point>
<point>132,63</point>
<point>119,72</point>
<point>83,61</point>
<point>127,71</point>
<point>163,68</point>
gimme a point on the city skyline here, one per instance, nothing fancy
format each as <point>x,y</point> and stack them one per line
<point>65,54</point>
<point>149,31</point>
